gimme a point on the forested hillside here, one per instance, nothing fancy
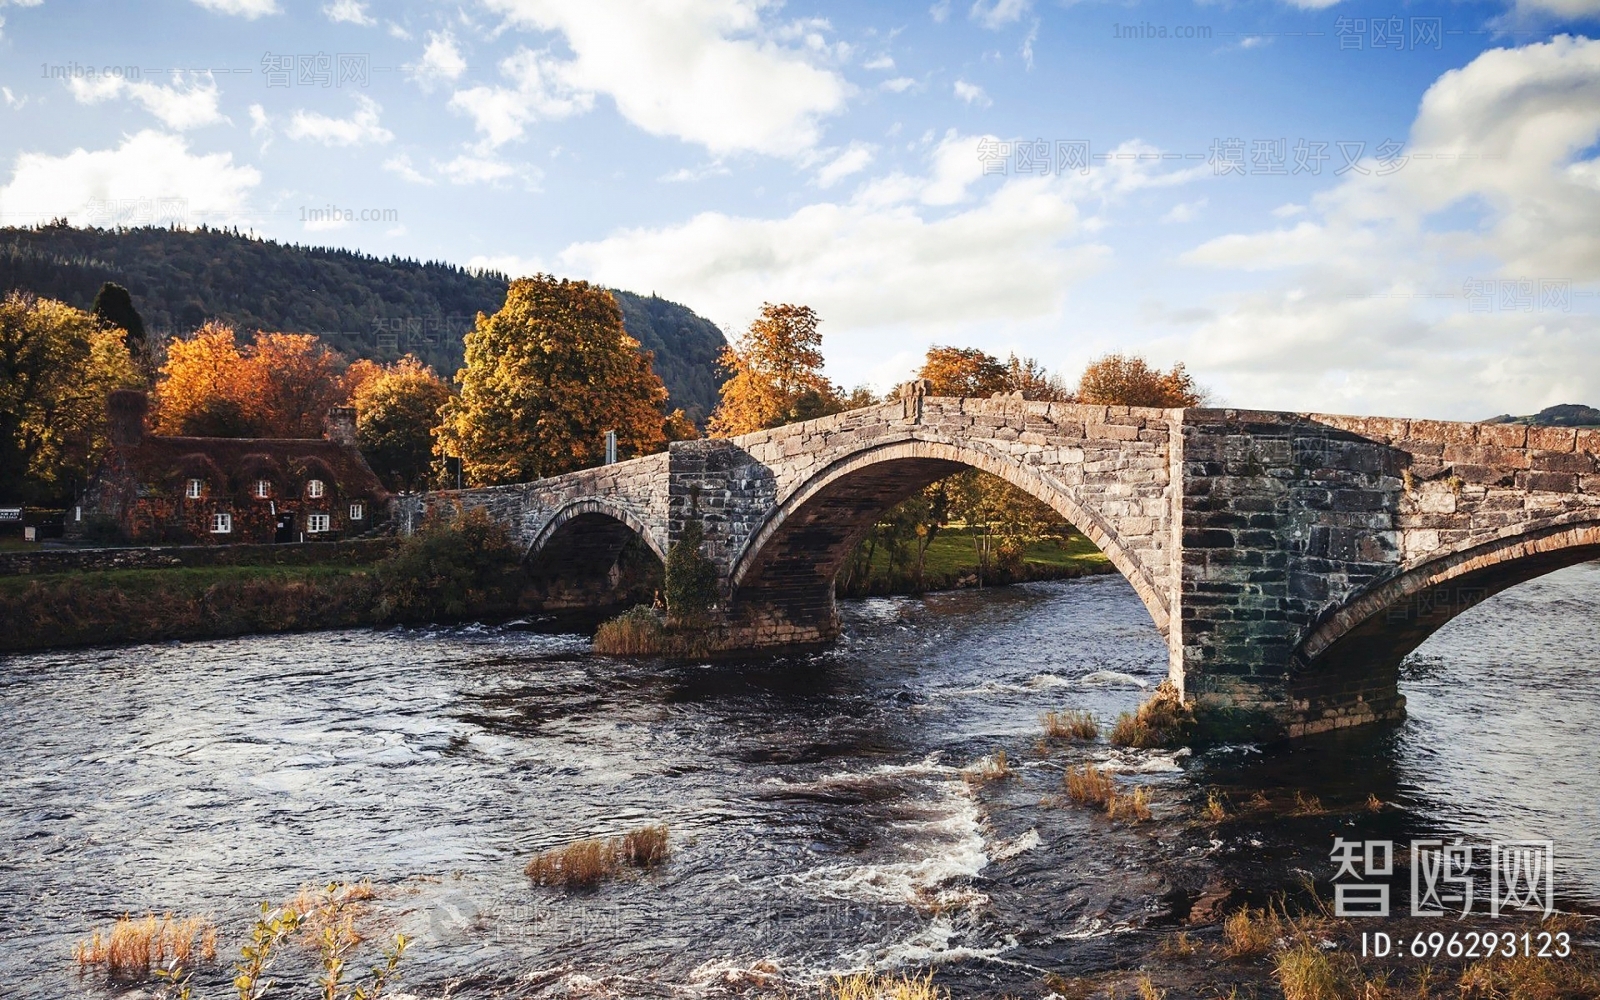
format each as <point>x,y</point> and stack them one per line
<point>366,307</point>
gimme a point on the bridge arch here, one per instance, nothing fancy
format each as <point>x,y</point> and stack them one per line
<point>583,555</point>
<point>1358,649</point>
<point>801,544</point>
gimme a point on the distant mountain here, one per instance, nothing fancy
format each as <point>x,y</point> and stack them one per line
<point>1562,415</point>
<point>364,306</point>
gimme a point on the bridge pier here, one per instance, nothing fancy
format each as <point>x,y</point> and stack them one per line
<point>1291,560</point>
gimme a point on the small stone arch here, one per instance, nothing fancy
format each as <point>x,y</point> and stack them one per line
<point>579,556</point>
<point>925,461</point>
<point>1346,670</point>
<point>587,508</point>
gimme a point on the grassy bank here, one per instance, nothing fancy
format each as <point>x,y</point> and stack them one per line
<point>148,605</point>
<point>952,561</point>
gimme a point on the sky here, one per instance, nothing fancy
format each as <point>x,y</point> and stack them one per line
<point>1350,206</point>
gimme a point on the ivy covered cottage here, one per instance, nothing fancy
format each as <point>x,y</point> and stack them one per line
<point>211,490</point>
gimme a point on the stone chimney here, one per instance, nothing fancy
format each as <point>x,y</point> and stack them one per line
<point>125,412</point>
<point>340,427</point>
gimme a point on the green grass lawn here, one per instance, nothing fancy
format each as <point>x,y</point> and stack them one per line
<point>951,556</point>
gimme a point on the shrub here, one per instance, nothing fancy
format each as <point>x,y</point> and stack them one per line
<point>638,631</point>
<point>1071,725</point>
<point>451,568</point>
<point>1163,721</point>
<point>691,586</point>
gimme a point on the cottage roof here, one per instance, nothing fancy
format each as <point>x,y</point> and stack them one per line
<point>235,463</point>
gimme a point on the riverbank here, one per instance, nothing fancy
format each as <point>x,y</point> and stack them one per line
<point>442,577</point>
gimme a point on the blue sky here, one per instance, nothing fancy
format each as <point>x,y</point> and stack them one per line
<point>1437,251</point>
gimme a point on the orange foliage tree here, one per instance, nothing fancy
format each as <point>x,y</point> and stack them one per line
<point>281,385</point>
<point>397,411</point>
<point>776,374</point>
<point>546,377</point>
<point>1128,380</point>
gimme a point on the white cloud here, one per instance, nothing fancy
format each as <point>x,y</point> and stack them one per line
<point>883,62</point>
<point>899,84</point>
<point>1311,4</point>
<point>904,259</point>
<point>852,161</point>
<point>441,60</point>
<point>1185,211</point>
<point>543,90</point>
<point>1365,296</point>
<point>401,165</point>
<point>710,72</point>
<point>177,106</point>
<point>1572,9</point>
<point>13,102</point>
<point>348,12</point>
<point>685,174</point>
<point>994,14</point>
<point>247,9</point>
<point>472,169</point>
<point>509,264</point>
<point>971,93</point>
<point>357,130</point>
<point>939,11</point>
<point>150,168</point>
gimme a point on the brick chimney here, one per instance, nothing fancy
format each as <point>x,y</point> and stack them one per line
<point>125,412</point>
<point>340,427</point>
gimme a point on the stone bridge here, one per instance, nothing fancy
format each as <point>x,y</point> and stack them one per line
<point>1291,560</point>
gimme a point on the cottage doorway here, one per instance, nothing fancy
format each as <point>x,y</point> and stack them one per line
<point>285,531</point>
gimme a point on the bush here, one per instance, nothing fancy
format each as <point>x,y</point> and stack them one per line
<point>466,565</point>
<point>638,631</point>
<point>691,578</point>
<point>1163,721</point>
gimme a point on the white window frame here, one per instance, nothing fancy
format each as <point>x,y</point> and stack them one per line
<point>221,523</point>
<point>263,489</point>
<point>317,524</point>
<point>315,489</point>
<point>358,512</point>
<point>194,489</point>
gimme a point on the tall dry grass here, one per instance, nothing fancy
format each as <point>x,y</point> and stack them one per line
<point>873,986</point>
<point>589,862</point>
<point>1089,785</point>
<point>1162,721</point>
<point>135,944</point>
<point>1070,725</point>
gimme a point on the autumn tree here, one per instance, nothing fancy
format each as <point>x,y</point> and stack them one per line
<point>962,371</point>
<point>397,409</point>
<point>775,374</point>
<point>545,378</point>
<point>203,389</point>
<point>291,382</point>
<point>1128,380</point>
<point>57,365</point>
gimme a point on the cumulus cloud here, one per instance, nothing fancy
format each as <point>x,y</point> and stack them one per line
<point>971,93</point>
<point>441,60</point>
<point>542,89</point>
<point>907,257</point>
<point>852,160</point>
<point>178,106</point>
<point>1370,294</point>
<point>401,166</point>
<point>469,168</point>
<point>709,72</point>
<point>999,13</point>
<point>359,129</point>
<point>149,168</point>
<point>247,9</point>
<point>348,12</point>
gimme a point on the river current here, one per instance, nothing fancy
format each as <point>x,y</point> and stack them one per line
<point>819,817</point>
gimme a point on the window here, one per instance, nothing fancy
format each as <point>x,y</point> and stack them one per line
<point>358,511</point>
<point>316,523</point>
<point>221,523</point>
<point>314,488</point>
<point>194,488</point>
<point>263,488</point>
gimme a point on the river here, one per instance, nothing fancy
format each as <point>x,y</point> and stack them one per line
<point>818,814</point>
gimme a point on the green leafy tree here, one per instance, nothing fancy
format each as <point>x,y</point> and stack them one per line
<point>546,377</point>
<point>691,585</point>
<point>57,365</point>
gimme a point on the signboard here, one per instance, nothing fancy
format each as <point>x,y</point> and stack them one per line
<point>10,513</point>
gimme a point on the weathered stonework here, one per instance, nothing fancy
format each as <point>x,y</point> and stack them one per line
<point>1291,560</point>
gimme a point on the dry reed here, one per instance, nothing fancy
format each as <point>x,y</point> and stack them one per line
<point>1070,725</point>
<point>135,944</point>
<point>987,769</point>
<point>871,986</point>
<point>588,862</point>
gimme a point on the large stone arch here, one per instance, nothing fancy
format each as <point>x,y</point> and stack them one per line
<point>577,554</point>
<point>794,553</point>
<point>1346,670</point>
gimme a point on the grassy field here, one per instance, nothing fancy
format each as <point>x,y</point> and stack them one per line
<point>952,561</point>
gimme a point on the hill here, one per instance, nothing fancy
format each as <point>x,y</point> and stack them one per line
<point>365,306</point>
<point>1561,415</point>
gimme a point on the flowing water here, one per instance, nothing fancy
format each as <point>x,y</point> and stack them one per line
<point>819,817</point>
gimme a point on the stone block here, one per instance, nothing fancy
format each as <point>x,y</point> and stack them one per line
<point>1503,435</point>
<point>1552,438</point>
